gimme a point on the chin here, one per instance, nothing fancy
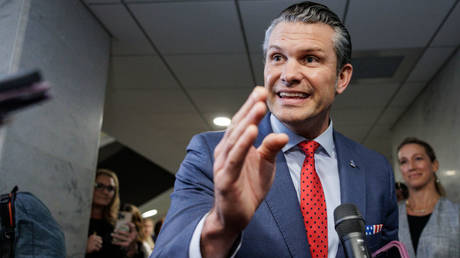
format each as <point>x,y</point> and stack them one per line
<point>286,114</point>
<point>418,184</point>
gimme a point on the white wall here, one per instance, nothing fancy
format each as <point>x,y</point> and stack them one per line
<point>435,117</point>
<point>51,149</point>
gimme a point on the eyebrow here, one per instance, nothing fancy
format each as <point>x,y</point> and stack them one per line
<point>313,49</point>
<point>104,184</point>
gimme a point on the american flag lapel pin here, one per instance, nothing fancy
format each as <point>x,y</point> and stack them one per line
<point>373,229</point>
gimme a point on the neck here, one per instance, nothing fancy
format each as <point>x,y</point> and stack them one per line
<point>311,128</point>
<point>97,212</point>
<point>422,201</point>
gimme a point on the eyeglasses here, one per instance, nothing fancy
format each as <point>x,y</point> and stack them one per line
<point>101,186</point>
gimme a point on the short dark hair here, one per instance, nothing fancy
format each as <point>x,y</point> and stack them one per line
<point>310,12</point>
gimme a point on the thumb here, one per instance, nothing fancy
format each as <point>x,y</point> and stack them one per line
<point>271,145</point>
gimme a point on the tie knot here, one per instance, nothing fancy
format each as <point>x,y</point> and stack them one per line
<point>309,147</point>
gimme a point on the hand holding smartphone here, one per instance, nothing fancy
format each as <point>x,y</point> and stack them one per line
<point>124,218</point>
<point>122,225</point>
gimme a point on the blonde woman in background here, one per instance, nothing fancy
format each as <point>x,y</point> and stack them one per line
<point>104,214</point>
<point>429,224</point>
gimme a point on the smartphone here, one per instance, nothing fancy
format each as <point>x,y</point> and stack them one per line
<point>124,217</point>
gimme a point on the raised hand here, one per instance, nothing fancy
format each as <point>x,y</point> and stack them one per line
<point>125,239</point>
<point>243,176</point>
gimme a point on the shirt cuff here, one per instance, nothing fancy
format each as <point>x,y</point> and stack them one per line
<point>194,250</point>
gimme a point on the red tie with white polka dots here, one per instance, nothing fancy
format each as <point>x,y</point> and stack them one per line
<point>313,203</point>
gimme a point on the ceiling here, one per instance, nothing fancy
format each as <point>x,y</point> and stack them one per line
<point>175,65</point>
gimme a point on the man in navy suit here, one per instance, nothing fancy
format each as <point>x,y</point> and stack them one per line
<point>238,193</point>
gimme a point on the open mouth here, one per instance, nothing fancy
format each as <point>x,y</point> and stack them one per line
<point>294,95</point>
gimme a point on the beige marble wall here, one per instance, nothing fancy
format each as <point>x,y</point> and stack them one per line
<point>435,118</point>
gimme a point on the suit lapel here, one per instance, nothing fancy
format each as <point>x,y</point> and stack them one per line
<point>352,179</point>
<point>351,173</point>
<point>282,202</point>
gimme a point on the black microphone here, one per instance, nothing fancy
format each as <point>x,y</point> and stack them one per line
<point>349,225</point>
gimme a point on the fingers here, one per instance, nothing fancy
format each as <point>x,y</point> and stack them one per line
<point>98,245</point>
<point>237,155</point>
<point>120,235</point>
<point>258,95</point>
<point>132,227</point>
<point>122,238</point>
<point>94,243</point>
<point>241,138</point>
<point>271,145</point>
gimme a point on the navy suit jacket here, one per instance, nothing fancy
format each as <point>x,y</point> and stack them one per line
<point>277,228</point>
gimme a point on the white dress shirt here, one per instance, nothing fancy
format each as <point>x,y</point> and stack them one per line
<point>326,168</point>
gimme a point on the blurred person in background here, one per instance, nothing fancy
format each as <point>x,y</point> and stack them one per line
<point>141,249</point>
<point>402,193</point>
<point>428,222</point>
<point>148,232</point>
<point>104,214</point>
<point>157,228</point>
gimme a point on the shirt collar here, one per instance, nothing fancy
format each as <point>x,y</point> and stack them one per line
<point>326,139</point>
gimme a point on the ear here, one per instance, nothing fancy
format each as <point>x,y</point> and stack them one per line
<point>435,166</point>
<point>343,79</point>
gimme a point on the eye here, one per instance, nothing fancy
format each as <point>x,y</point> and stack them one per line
<point>311,59</point>
<point>402,162</point>
<point>276,57</point>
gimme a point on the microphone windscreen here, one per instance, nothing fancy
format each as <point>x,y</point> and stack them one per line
<point>348,219</point>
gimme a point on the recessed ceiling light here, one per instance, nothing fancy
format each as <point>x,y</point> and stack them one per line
<point>222,121</point>
<point>149,213</point>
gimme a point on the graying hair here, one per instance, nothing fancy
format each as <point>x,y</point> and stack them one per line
<point>310,12</point>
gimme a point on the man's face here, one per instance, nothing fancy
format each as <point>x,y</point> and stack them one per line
<point>301,73</point>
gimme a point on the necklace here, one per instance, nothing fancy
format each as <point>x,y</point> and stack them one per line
<point>424,210</point>
<point>415,210</point>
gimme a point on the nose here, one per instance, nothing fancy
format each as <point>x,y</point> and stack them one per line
<point>291,74</point>
<point>106,191</point>
<point>410,165</point>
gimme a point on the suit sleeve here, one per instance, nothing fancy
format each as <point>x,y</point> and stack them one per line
<point>192,198</point>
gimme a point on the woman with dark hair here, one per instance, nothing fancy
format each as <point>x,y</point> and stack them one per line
<point>142,250</point>
<point>102,240</point>
<point>428,222</point>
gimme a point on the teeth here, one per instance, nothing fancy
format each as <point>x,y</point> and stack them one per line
<point>293,95</point>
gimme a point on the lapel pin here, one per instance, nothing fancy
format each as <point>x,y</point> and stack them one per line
<point>352,164</point>
<point>373,229</point>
